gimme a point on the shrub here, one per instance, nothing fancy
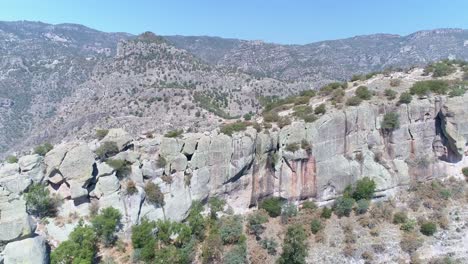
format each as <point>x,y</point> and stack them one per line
<point>174,133</point>
<point>362,206</point>
<point>248,116</point>
<point>121,167</point>
<point>230,129</point>
<point>428,228</point>
<point>43,149</point>
<point>320,110</point>
<point>212,248</point>
<point>272,206</point>
<point>255,223</point>
<point>196,221</point>
<point>269,245</point>
<point>106,224</point>
<point>308,93</point>
<point>390,94</point>
<point>309,205</point>
<point>101,133</point>
<point>11,159</point>
<point>400,218</point>
<point>316,225</point>
<point>284,121</point>
<point>363,93</point>
<point>301,100</point>
<point>107,150</point>
<point>423,88</point>
<point>39,202</point>
<point>294,246</point>
<point>439,69</point>
<point>343,206</point>
<point>131,188</point>
<point>270,117</point>
<point>231,229</point>
<point>390,122</point>
<point>405,98</point>
<point>237,255</point>
<point>353,101</point>
<point>364,189</point>
<point>292,147</point>
<point>395,82</point>
<point>154,194</point>
<point>408,225</point>
<point>81,247</point>
<point>410,242</point>
<point>288,210</point>
<point>465,171</point>
<point>216,205</point>
<point>326,213</point>
<point>358,77</point>
<point>337,96</point>
<point>161,162</point>
<point>143,239</point>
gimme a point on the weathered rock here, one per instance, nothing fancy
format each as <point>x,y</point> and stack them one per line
<point>78,164</point>
<point>104,169</point>
<point>130,156</point>
<point>9,169</point>
<point>15,223</point>
<point>54,158</point>
<point>119,136</point>
<point>106,185</point>
<point>30,250</point>
<point>77,191</point>
<point>28,162</point>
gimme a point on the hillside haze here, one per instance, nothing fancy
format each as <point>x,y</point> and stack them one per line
<point>65,80</point>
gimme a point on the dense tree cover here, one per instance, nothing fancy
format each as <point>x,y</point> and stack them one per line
<point>294,246</point>
<point>80,248</point>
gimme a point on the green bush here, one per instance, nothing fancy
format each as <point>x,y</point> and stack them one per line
<point>358,77</point>
<point>364,189</point>
<point>408,225</point>
<point>255,223</point>
<point>39,202</point>
<point>301,100</point>
<point>316,225</point>
<point>308,93</point>
<point>343,206</point>
<point>362,206</point>
<point>237,255</point>
<point>284,121</point>
<point>248,116</point>
<point>405,98</point>
<point>294,246</point>
<point>101,133</point>
<point>395,82</point>
<point>288,210</point>
<point>465,171</point>
<point>230,129</point>
<point>216,205</point>
<point>11,159</point>
<point>353,101</point>
<point>212,248</point>
<point>326,213</point>
<point>400,218</point>
<point>269,245</point>
<point>320,109</point>
<point>390,94</point>
<point>363,93</point>
<point>43,149</point>
<point>130,188</point>
<point>107,150</point>
<point>81,247</point>
<point>196,221</point>
<point>390,122</point>
<point>270,117</point>
<point>144,240</point>
<point>309,205</point>
<point>106,224</point>
<point>121,167</point>
<point>174,133</point>
<point>173,233</point>
<point>439,69</point>
<point>428,228</point>
<point>272,206</point>
<point>154,194</point>
<point>423,88</point>
<point>231,229</point>
<point>292,147</point>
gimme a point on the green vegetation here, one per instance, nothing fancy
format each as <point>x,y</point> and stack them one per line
<point>106,224</point>
<point>81,247</point>
<point>101,133</point>
<point>465,171</point>
<point>316,225</point>
<point>216,205</point>
<point>364,189</point>
<point>395,82</point>
<point>143,240</point>
<point>248,116</point>
<point>400,218</point>
<point>270,245</point>
<point>11,159</point>
<point>408,225</point>
<point>161,162</point>
<point>343,206</point>
<point>428,228</point>
<point>272,205</point>
<point>362,206</point>
<point>154,194</point>
<point>214,103</point>
<point>196,221</point>
<point>39,202</point>
<point>174,133</point>
<point>423,88</point>
<point>107,150</point>
<point>390,94</point>
<point>294,246</point>
<point>255,223</point>
<point>320,109</point>
<point>237,255</point>
<point>363,93</point>
<point>292,147</point>
<point>229,129</point>
<point>309,205</point>
<point>231,229</point>
<point>326,213</point>
<point>329,88</point>
<point>130,188</point>
<point>440,69</point>
<point>288,210</point>
<point>353,101</point>
<point>43,149</point>
<point>121,167</point>
<point>390,122</point>
<point>405,98</point>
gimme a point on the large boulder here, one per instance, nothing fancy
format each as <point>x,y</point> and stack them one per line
<point>78,164</point>
<point>119,136</point>
<point>106,185</point>
<point>15,223</point>
<point>29,162</point>
<point>30,250</point>
<point>54,158</point>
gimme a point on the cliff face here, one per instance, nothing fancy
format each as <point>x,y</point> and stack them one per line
<point>331,153</point>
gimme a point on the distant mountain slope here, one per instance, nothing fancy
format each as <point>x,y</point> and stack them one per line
<point>334,59</point>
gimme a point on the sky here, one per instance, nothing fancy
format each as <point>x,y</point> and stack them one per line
<point>280,21</point>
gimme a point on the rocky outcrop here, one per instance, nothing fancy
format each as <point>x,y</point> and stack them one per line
<point>30,250</point>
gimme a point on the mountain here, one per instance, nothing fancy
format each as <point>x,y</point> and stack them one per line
<point>63,81</point>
